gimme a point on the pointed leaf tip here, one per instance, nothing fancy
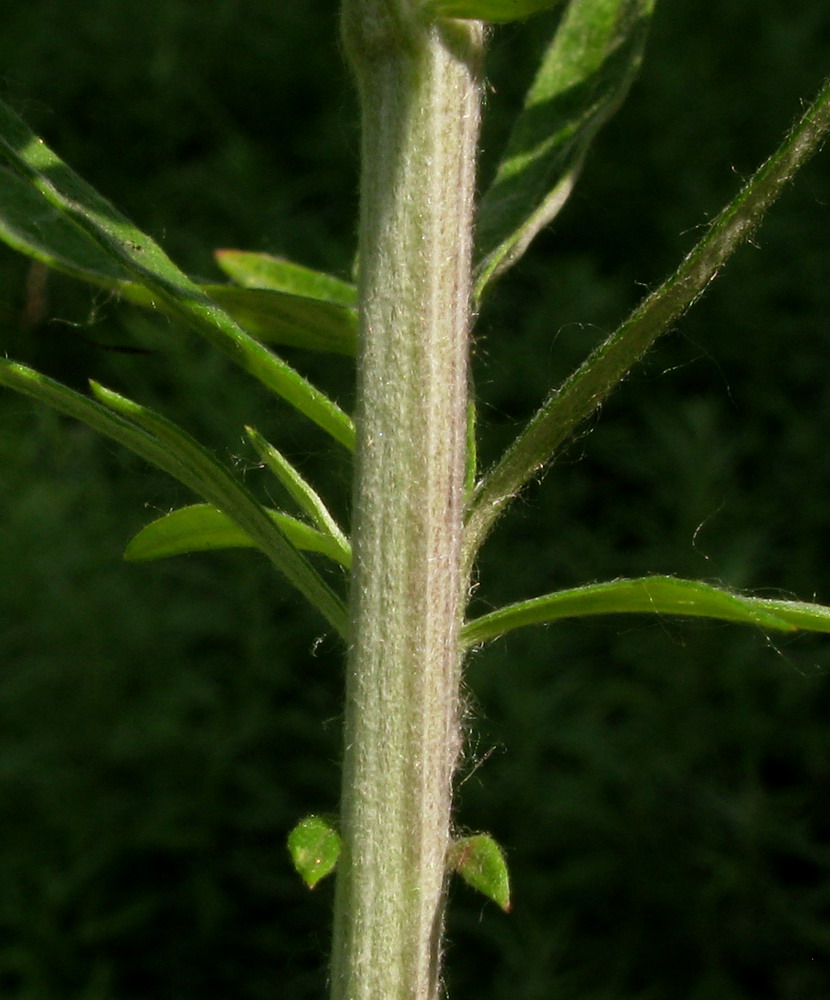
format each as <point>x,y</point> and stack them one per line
<point>314,846</point>
<point>481,863</point>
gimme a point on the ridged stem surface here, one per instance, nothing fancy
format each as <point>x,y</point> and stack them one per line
<point>419,94</point>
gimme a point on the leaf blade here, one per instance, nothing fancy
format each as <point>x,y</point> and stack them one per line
<point>143,260</point>
<point>215,483</point>
<point>29,382</point>
<point>303,494</point>
<point>480,861</point>
<point>205,528</point>
<point>181,457</point>
<point>33,227</point>
<point>314,846</point>
<point>289,320</point>
<point>650,595</point>
<point>276,274</point>
<point>584,391</point>
<point>584,76</point>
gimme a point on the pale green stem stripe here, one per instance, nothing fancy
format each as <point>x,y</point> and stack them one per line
<point>420,94</point>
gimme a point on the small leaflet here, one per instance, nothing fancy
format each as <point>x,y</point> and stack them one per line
<point>480,862</point>
<point>314,846</point>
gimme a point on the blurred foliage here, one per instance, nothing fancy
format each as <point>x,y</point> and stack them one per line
<point>658,787</point>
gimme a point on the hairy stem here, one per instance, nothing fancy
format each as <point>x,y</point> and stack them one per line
<point>419,92</point>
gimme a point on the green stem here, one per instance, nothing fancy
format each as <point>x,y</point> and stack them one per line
<point>419,91</point>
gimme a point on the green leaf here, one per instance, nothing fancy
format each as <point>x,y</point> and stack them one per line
<point>304,495</point>
<point>583,78</point>
<point>289,320</point>
<point>314,846</point>
<point>480,862</point>
<point>262,270</point>
<point>203,528</point>
<point>584,391</point>
<point>665,595</point>
<point>169,448</point>
<point>215,483</point>
<point>45,390</point>
<point>488,10</point>
<point>32,226</point>
<point>66,202</point>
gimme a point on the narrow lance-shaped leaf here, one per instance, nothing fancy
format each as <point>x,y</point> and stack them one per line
<point>480,862</point>
<point>288,320</point>
<point>263,270</point>
<point>29,224</point>
<point>304,495</point>
<point>136,255</point>
<point>583,78</point>
<point>220,488</point>
<point>32,383</point>
<point>172,450</point>
<point>584,391</point>
<point>495,11</point>
<point>33,226</point>
<point>319,310</point>
<point>665,595</point>
<point>204,528</point>
<point>314,846</point>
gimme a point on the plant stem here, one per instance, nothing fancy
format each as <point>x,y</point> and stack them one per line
<point>419,91</point>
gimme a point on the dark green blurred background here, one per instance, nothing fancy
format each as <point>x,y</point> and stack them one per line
<point>661,788</point>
